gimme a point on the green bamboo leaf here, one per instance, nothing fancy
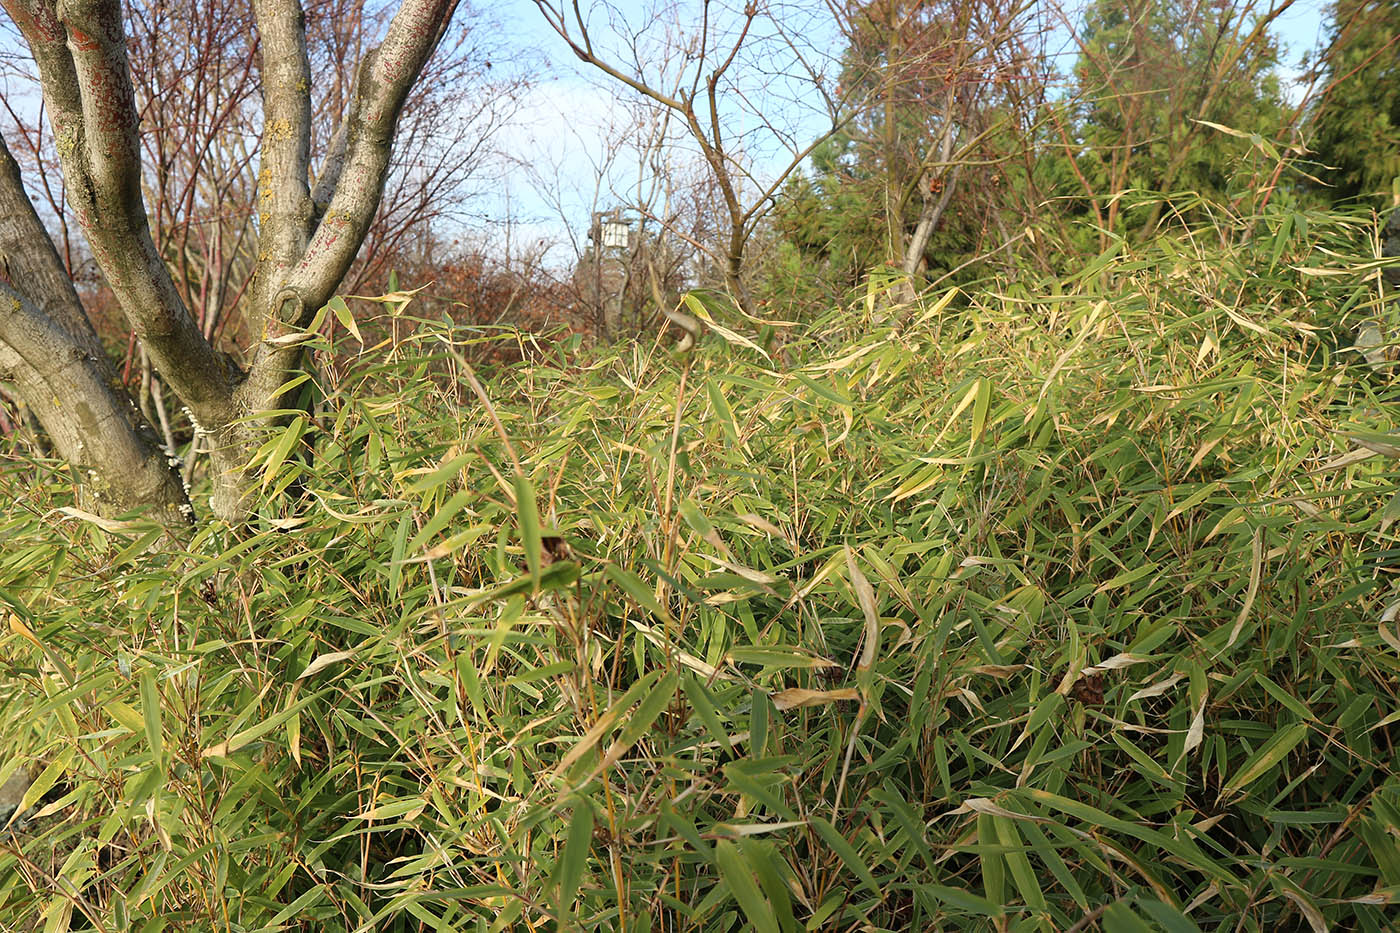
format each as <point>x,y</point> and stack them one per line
<point>442,474</point>
<point>1099,263</point>
<point>140,546</point>
<point>757,789</point>
<point>777,656</point>
<point>1046,851</point>
<point>391,809</point>
<point>284,391</point>
<point>557,576</point>
<point>822,390</point>
<point>253,733</point>
<point>1294,705</point>
<point>439,520</point>
<point>700,701</point>
<point>574,858</point>
<point>1127,577</point>
<point>396,556</point>
<point>1171,919</point>
<point>965,900</point>
<point>723,412</point>
<point>150,710</point>
<point>1281,239</point>
<point>770,869</point>
<point>301,906</point>
<point>1017,863</point>
<point>124,716</point>
<point>1191,501</point>
<point>758,723</point>
<point>695,518</point>
<point>738,876</point>
<point>1048,706</point>
<point>342,314</point>
<point>608,720</point>
<point>155,878</point>
<point>639,591</point>
<point>528,513</point>
<point>278,455</point>
<point>904,815</point>
<point>41,785</point>
<point>647,711</point>
<point>992,862</point>
<point>979,412</point>
<point>1119,918</point>
<point>1269,754</point>
<point>920,480</point>
<point>847,852</point>
<point>1098,818</point>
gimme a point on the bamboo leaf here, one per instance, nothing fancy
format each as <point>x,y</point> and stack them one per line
<point>577,844</point>
<point>347,320</point>
<point>1266,758</point>
<point>529,516</point>
<point>797,697</point>
<point>323,661</point>
<point>738,877</point>
<point>722,411</point>
<point>639,591</point>
<point>439,520</point>
<point>150,709</point>
<point>278,454</point>
<point>847,853</point>
<point>700,701</point>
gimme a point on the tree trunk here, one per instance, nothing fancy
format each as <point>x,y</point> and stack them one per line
<point>928,222</point>
<point>734,276</point>
<point>50,353</point>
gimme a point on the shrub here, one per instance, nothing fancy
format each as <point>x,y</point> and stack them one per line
<point>1027,608</point>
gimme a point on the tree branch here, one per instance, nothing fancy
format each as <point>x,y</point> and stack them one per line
<point>284,196</point>
<point>384,80</point>
<point>28,256</point>
<point>331,167</point>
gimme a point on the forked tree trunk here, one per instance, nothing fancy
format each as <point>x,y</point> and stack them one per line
<point>308,238</point>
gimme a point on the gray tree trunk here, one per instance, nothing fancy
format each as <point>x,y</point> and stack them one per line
<point>308,239</point>
<point>928,222</point>
<point>50,353</point>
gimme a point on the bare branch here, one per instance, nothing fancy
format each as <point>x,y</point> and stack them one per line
<point>331,168</point>
<point>29,257</point>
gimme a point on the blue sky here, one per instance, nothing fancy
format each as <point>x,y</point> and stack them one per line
<point>572,114</point>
